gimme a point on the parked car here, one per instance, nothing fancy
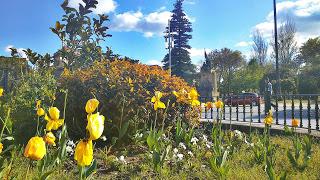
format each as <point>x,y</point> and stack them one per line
<point>244,99</point>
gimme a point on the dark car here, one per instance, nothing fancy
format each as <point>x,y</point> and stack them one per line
<point>243,99</point>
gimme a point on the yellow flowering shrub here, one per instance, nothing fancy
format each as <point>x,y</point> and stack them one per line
<point>119,85</point>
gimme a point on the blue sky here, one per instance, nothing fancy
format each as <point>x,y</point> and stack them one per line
<point>136,25</point>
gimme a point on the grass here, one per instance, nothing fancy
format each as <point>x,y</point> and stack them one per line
<point>240,163</point>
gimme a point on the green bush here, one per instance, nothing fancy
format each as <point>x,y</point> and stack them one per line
<point>29,88</point>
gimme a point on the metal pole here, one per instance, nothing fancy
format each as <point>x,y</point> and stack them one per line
<point>169,24</point>
<point>276,45</point>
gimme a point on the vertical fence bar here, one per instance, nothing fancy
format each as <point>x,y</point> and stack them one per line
<point>309,116</point>
<point>292,107</point>
<point>251,109</point>
<point>300,111</point>
<point>277,110</point>
<point>205,108</point>
<point>244,108</point>
<point>259,111</point>
<point>317,113</point>
<point>224,108</point>
<point>230,109</point>
<point>237,108</point>
<point>211,110</point>
<point>284,110</point>
<point>218,117</point>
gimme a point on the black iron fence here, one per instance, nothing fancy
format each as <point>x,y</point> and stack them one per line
<point>304,107</point>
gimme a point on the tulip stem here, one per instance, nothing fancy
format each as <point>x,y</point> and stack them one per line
<point>5,124</point>
<point>65,104</point>
<point>122,110</point>
<point>165,115</point>
<point>37,126</point>
<point>155,120</point>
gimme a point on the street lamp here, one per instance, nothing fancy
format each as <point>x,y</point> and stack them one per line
<point>276,45</point>
<point>168,37</point>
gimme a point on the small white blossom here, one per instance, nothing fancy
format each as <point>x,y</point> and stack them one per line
<point>205,138</point>
<point>103,138</point>
<point>194,140</point>
<point>203,166</point>
<point>121,159</point>
<point>182,145</point>
<point>180,157</point>
<point>238,134</point>
<point>190,153</point>
<point>175,150</point>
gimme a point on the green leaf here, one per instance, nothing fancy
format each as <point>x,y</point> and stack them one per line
<point>46,175</point>
<point>123,129</point>
<point>91,169</point>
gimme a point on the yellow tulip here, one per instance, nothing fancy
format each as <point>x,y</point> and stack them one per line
<point>268,120</point>
<point>193,97</point>
<point>91,105</point>
<point>218,104</point>
<point>38,104</point>
<point>157,102</point>
<point>295,123</point>
<point>49,138</point>
<point>53,121</point>
<point>35,149</point>
<point>84,153</point>
<point>1,147</point>
<point>1,91</point>
<point>40,112</point>
<point>95,125</point>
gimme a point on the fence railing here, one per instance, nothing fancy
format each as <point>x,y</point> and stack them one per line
<point>304,107</point>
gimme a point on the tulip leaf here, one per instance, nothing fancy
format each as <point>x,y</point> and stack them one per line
<point>46,175</point>
<point>91,169</point>
<point>123,129</point>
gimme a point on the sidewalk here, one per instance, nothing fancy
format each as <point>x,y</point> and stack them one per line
<point>244,126</point>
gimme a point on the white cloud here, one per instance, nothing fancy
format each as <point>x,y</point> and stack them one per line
<point>103,6</point>
<point>7,48</point>
<point>150,24</point>
<point>195,52</point>
<point>154,62</point>
<point>127,21</point>
<point>305,13</point>
<point>244,44</point>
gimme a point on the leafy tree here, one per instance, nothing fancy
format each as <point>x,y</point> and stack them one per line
<point>181,28</point>
<point>309,82</point>
<point>225,62</point>
<point>310,51</point>
<point>80,34</point>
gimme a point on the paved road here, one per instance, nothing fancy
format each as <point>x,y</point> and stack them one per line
<point>282,117</point>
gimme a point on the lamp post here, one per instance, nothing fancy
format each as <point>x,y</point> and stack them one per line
<point>276,45</point>
<point>169,40</point>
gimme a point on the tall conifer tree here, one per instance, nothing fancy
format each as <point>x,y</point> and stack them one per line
<point>181,28</point>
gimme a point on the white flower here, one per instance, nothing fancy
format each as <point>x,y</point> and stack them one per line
<point>238,134</point>
<point>208,144</point>
<point>182,145</point>
<point>180,157</point>
<point>121,159</point>
<point>175,150</point>
<point>205,138</point>
<point>203,166</point>
<point>190,153</point>
<point>103,138</point>
<point>194,140</point>
<point>69,150</point>
<point>70,143</point>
